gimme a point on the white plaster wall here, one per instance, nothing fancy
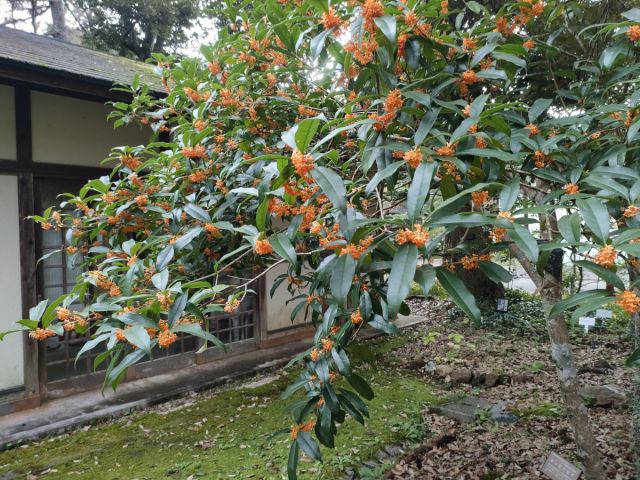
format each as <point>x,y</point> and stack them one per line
<point>11,356</point>
<point>278,313</point>
<point>71,131</point>
<point>7,123</point>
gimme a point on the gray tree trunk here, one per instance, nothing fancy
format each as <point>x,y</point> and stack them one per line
<point>59,25</point>
<point>550,288</point>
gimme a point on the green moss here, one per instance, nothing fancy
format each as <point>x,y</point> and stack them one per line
<point>544,409</point>
<point>230,434</point>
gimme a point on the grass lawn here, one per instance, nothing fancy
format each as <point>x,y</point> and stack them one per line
<point>228,434</point>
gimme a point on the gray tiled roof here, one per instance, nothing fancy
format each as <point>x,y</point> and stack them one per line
<point>60,57</point>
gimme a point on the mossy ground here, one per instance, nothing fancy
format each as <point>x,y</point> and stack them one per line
<point>228,435</point>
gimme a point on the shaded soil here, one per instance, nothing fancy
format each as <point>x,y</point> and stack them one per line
<point>486,450</point>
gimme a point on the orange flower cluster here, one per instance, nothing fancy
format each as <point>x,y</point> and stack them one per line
<point>306,111</point>
<point>356,317</point>
<point>481,142</point>
<point>506,215</point>
<point>629,301</point>
<point>130,162</point>
<point>606,257</point>
<point>533,129</point>
<point>478,199</point>
<point>232,305</point>
<point>303,427</point>
<point>529,44</point>
<point>471,262</point>
<point>356,251</point>
<point>211,229</point>
<point>631,211</point>
<point>327,344</point>
<point>540,159</point>
<point>263,247</point>
<point>418,236</point>
<point>469,77</point>
<point>165,299</point>
<point>362,52</point>
<point>315,355</point>
<point>498,234</point>
<point>392,104</point>
<point>571,189</point>
<point>413,157</point>
<point>448,150</point>
<point>40,334</point>
<point>166,338</point>
<point>102,281</point>
<point>633,33</point>
<point>330,19</point>
<point>197,151</point>
<point>70,319</point>
<point>469,43</point>
<point>302,163</point>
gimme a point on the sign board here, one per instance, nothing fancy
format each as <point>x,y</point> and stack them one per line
<point>586,323</point>
<point>503,305</point>
<point>604,313</point>
<point>557,468</point>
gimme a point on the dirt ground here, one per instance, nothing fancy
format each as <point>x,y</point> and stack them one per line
<point>529,388</point>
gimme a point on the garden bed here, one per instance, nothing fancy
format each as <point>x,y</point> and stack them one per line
<point>231,432</point>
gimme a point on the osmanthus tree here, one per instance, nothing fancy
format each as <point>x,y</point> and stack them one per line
<point>346,141</point>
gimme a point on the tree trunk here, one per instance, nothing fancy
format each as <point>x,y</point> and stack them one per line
<point>59,25</point>
<point>550,287</point>
<point>476,281</point>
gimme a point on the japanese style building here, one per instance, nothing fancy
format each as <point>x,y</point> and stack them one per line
<point>54,134</point>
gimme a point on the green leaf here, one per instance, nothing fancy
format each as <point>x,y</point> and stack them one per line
<point>381,175</point>
<point>262,214</point>
<point>459,293</point>
<point>307,128</point>
<point>161,279</point>
<point>596,216</point>
<point>185,239</point>
<point>114,375</point>
<point>525,241</point>
<point>419,189</point>
<point>569,227</point>
<point>317,43</point>
<point>604,273</point>
<point>509,194</point>
<point>197,331</point>
<point>342,277</point>
<point>381,324</point>
<point>197,212</point>
<point>538,108</point>
<point>283,247</point>
<point>292,462</point>
<point>426,278</point>
<point>482,52</point>
<point>361,386</point>
<point>495,272</point>
<point>342,361</point>
<point>309,445</point>
<point>633,15</point>
<point>4,334</point>
<point>387,24</point>
<point>35,313</point>
<point>426,125</point>
<point>332,186</point>
<point>634,358</point>
<point>164,257</point>
<point>138,336</point>
<point>403,269</point>
<point>576,300</point>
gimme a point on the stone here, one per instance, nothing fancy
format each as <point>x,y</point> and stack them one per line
<point>468,409</point>
<point>478,379</point>
<point>443,371</point>
<point>430,367</point>
<point>523,378</point>
<point>604,396</point>
<point>461,375</point>
<point>602,364</point>
<point>491,379</point>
